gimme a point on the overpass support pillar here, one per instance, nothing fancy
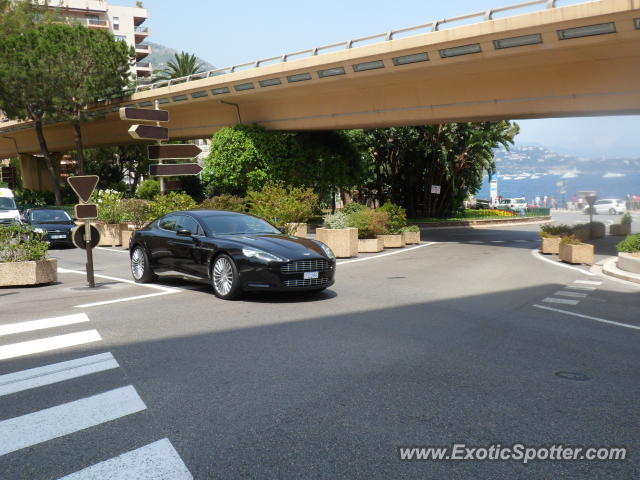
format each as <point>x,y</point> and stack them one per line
<point>35,175</point>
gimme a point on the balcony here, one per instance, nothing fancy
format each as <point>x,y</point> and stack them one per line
<point>139,16</point>
<point>142,51</point>
<point>141,33</point>
<point>94,23</point>
<point>144,69</point>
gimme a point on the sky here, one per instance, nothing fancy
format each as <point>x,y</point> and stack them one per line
<point>225,33</point>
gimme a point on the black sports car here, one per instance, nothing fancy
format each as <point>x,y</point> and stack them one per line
<point>54,222</point>
<point>235,251</point>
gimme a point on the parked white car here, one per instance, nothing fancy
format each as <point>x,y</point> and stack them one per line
<point>519,203</point>
<point>8,209</point>
<point>612,206</point>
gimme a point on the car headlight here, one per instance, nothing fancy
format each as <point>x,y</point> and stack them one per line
<point>326,249</point>
<point>39,230</point>
<point>262,255</point>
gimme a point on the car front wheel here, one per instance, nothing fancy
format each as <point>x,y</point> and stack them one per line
<point>225,278</point>
<point>612,211</point>
<point>141,267</point>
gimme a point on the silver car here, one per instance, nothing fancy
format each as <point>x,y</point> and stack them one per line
<point>612,206</point>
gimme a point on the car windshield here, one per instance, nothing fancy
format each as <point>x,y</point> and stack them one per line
<point>7,203</point>
<point>236,224</point>
<point>47,216</point>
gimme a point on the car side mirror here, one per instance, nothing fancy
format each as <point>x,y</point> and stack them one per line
<point>282,229</point>
<point>183,232</point>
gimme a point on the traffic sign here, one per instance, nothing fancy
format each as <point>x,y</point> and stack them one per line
<point>435,189</point>
<point>148,132</point>
<point>86,211</point>
<point>178,151</point>
<point>143,114</point>
<point>78,238</point>
<point>83,186</point>
<point>174,169</point>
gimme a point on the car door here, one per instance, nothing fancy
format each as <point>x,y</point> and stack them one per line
<point>158,243</point>
<point>184,249</point>
<point>601,206</point>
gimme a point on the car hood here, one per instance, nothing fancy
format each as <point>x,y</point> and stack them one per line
<point>64,226</point>
<point>285,246</point>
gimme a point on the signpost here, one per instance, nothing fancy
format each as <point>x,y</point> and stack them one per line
<point>149,132</point>
<point>84,186</point>
<point>591,200</point>
<point>435,189</point>
<point>185,151</point>
<point>174,169</point>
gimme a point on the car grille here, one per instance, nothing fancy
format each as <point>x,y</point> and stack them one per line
<point>6,221</point>
<point>305,266</point>
<point>310,282</point>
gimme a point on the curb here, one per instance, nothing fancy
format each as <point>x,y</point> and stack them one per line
<point>610,268</point>
<point>482,223</point>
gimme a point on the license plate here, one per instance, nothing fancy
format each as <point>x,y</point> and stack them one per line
<point>57,237</point>
<point>310,275</point>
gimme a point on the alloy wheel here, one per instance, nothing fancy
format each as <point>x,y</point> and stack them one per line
<point>223,276</point>
<point>137,263</point>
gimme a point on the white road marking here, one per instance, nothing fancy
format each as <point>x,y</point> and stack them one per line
<point>156,461</point>
<point>47,344</point>
<point>403,250</point>
<point>123,280</point>
<point>56,372</point>
<point>522,241</point>
<point>562,293</point>
<point>52,322</point>
<point>498,241</point>
<point>118,250</point>
<point>33,428</point>
<point>475,241</point>
<point>536,254</point>
<point>588,282</point>
<point>589,317</point>
<point>581,287</point>
<point>125,299</point>
<point>561,300</point>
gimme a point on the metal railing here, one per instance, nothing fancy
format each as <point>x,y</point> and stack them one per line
<point>433,26</point>
<point>143,47</point>
<point>140,29</point>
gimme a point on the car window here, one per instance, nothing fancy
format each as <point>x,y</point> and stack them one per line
<point>44,216</point>
<point>168,223</point>
<point>231,224</point>
<point>188,223</point>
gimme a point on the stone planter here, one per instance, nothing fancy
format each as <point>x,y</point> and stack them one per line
<point>582,253</point>
<point>393,241</point>
<point>411,238</point>
<point>620,229</point>
<point>550,245</point>
<point>598,231</point>
<point>109,234</point>
<point>370,245</point>
<point>297,229</point>
<point>13,274</point>
<point>627,262</point>
<point>342,241</point>
<point>125,236</point>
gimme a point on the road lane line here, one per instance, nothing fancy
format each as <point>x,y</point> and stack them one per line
<point>562,293</point>
<point>587,282</point>
<point>536,254</point>
<point>580,287</point>
<point>123,280</point>
<point>403,250</point>
<point>589,317</point>
<point>47,344</point>
<point>498,241</point>
<point>156,461</point>
<point>123,250</point>
<point>52,322</point>
<point>564,301</point>
<point>125,299</point>
<point>56,372</point>
<point>33,428</point>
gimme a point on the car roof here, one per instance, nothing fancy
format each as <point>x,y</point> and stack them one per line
<point>208,213</point>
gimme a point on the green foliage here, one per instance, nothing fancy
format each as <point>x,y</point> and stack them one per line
<point>148,190</point>
<point>182,65</point>
<point>336,220</point>
<point>549,231</point>
<point>411,228</point>
<point>631,244</point>
<point>20,243</point>
<point>369,222</point>
<point>397,217</point>
<point>109,205</point>
<point>352,207</point>
<point>4,185</point>
<point>136,211</point>
<point>192,186</point>
<point>224,202</point>
<point>571,240</point>
<point>33,198</point>
<point>280,205</point>
<point>626,219</point>
<point>172,201</point>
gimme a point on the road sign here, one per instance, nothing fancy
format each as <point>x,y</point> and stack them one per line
<point>435,189</point>
<point>79,240</point>
<point>174,169</point>
<point>148,132</point>
<point>170,152</point>
<point>144,114</point>
<point>86,211</point>
<point>83,186</point>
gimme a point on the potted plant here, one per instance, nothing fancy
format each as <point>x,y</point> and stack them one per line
<point>109,216</point>
<point>136,213</point>
<point>338,236</point>
<point>393,237</point>
<point>572,250</point>
<point>582,231</point>
<point>370,223</point>
<point>550,236</point>
<point>23,257</point>
<point>629,254</point>
<point>411,234</point>
<point>622,228</point>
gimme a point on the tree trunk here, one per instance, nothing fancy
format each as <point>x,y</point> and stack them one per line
<point>47,159</point>
<point>79,148</point>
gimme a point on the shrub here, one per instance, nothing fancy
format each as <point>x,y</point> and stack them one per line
<point>336,220</point>
<point>21,243</point>
<point>172,201</point>
<point>626,219</point>
<point>352,207</point>
<point>570,240</point>
<point>224,202</point>
<point>550,231</point>
<point>397,215</point>
<point>369,222</point>
<point>109,205</point>
<point>27,198</point>
<point>631,244</point>
<point>136,211</point>
<point>280,204</point>
<point>148,190</point>
<point>411,228</point>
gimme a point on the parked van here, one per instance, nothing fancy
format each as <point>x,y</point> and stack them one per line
<point>8,210</point>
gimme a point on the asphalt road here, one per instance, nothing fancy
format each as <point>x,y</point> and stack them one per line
<point>445,343</point>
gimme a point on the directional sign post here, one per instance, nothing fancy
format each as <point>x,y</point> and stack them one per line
<point>84,186</point>
<point>174,169</point>
<point>185,151</point>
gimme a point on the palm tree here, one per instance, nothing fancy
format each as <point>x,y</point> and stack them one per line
<point>183,65</point>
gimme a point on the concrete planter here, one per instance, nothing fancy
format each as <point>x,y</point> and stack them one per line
<point>370,245</point>
<point>109,234</point>
<point>343,241</point>
<point>620,229</point>
<point>628,262</point>
<point>598,231</point>
<point>582,253</point>
<point>125,236</point>
<point>550,245</point>
<point>13,274</point>
<point>393,241</point>
<point>411,238</point>
<point>297,229</point>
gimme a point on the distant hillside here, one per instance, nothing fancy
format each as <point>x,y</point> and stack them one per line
<point>160,55</point>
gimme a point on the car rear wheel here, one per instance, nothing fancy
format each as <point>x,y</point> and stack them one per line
<point>141,267</point>
<point>225,278</point>
<point>612,211</point>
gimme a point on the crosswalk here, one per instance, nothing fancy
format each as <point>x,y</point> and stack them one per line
<point>573,293</point>
<point>155,460</point>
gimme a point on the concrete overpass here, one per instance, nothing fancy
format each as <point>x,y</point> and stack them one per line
<point>576,60</point>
